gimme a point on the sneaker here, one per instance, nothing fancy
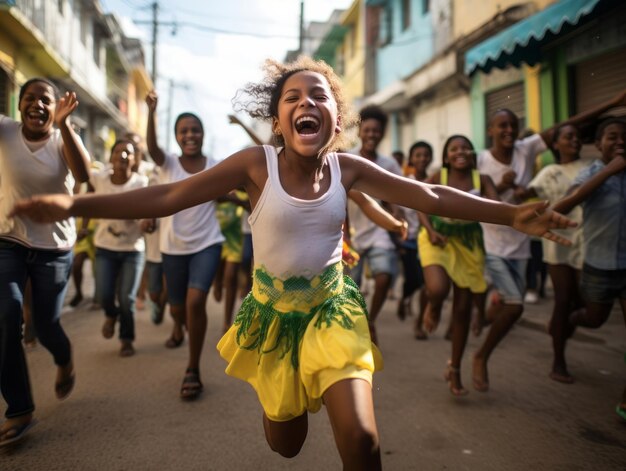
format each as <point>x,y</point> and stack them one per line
<point>531,297</point>
<point>156,312</point>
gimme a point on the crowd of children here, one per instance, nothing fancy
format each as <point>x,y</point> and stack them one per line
<point>303,336</point>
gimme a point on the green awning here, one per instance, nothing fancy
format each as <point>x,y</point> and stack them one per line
<point>328,47</point>
<point>521,42</point>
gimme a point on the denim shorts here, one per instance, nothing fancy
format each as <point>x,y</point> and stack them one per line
<point>379,261</point>
<point>195,270</point>
<point>602,286</point>
<point>155,276</point>
<point>508,276</point>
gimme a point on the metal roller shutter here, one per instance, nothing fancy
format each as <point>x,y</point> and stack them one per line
<point>599,79</point>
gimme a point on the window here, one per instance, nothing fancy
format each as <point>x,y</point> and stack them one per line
<point>384,34</point>
<point>406,14</point>
<point>97,42</point>
<point>425,6</point>
<point>60,6</point>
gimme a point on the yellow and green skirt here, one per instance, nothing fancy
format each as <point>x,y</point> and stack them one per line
<point>294,338</point>
<point>229,217</point>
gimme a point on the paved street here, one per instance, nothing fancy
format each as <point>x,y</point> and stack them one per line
<point>125,414</point>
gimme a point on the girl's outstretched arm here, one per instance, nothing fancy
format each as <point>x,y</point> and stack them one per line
<point>150,202</point>
<point>578,194</point>
<point>74,151</point>
<point>378,215</point>
<point>154,150</point>
<point>532,218</point>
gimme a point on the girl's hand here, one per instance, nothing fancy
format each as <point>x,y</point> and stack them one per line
<point>148,225</point>
<point>152,100</point>
<point>437,239</point>
<point>44,208</point>
<point>508,179</point>
<point>537,219</point>
<point>403,229</point>
<point>65,106</point>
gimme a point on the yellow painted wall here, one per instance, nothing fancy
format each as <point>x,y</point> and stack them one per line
<point>469,15</point>
<point>353,51</point>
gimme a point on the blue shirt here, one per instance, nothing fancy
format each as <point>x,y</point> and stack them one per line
<point>604,220</point>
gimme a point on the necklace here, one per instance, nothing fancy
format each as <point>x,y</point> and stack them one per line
<point>317,178</point>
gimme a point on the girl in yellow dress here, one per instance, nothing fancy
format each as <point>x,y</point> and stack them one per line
<point>451,252</point>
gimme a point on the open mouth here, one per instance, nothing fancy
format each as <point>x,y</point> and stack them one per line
<point>307,125</point>
<point>37,116</point>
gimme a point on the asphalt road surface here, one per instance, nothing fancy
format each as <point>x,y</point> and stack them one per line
<point>125,413</point>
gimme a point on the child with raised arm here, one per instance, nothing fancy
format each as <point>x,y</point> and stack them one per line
<point>301,337</point>
<point>190,243</point>
<point>40,154</point>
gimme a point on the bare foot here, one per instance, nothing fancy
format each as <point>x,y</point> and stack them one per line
<point>560,374</point>
<point>431,319</point>
<point>480,377</point>
<point>78,297</point>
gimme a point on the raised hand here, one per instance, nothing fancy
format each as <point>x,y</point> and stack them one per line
<point>537,219</point>
<point>44,208</point>
<point>65,106</point>
<point>152,100</point>
<point>437,239</point>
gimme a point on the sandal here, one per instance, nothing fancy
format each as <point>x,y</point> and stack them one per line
<point>450,371</point>
<point>16,433</point>
<point>108,328</point>
<point>63,388</point>
<point>173,342</point>
<point>127,349</point>
<point>192,386</point>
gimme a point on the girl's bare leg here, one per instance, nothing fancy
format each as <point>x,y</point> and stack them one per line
<point>461,318</point>
<point>286,438</point>
<point>196,324</point>
<point>231,270</point>
<point>437,289</point>
<point>350,409</point>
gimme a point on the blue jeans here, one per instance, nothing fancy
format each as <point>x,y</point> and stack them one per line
<point>119,273</point>
<point>49,273</point>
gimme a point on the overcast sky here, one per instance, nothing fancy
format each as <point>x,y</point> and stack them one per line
<point>216,49</point>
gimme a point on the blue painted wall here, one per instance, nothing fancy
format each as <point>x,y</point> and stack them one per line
<point>408,49</point>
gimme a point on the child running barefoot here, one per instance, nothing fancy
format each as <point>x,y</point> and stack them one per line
<point>452,250</point>
<point>564,263</point>
<point>301,337</point>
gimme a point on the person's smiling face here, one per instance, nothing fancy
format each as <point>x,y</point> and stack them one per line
<point>122,158</point>
<point>612,142</point>
<point>307,113</point>
<point>503,129</point>
<point>189,135</point>
<point>37,108</point>
<point>568,144</point>
<point>459,154</point>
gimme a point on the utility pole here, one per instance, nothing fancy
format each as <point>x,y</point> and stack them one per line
<point>301,46</point>
<point>155,34</point>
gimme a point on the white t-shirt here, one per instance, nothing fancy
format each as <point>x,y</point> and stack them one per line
<point>551,184</point>
<point>190,230</point>
<point>504,241</point>
<point>367,234</point>
<point>24,173</point>
<point>120,235</point>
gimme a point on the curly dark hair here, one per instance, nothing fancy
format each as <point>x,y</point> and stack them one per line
<point>260,100</point>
